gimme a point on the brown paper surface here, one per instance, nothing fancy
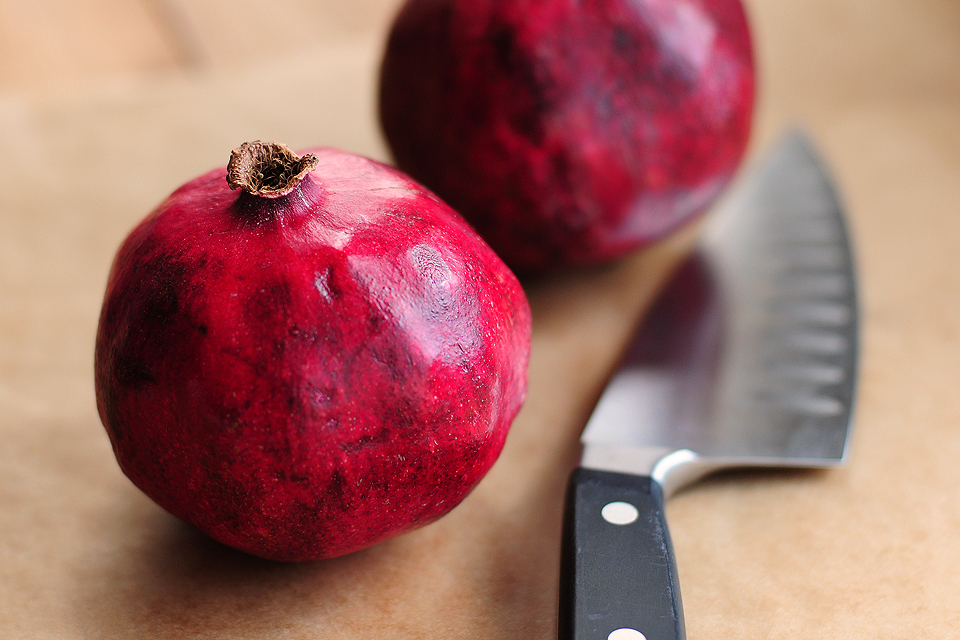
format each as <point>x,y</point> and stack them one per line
<point>867,551</point>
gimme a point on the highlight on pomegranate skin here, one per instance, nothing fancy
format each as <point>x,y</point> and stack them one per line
<point>311,359</point>
<point>569,133</point>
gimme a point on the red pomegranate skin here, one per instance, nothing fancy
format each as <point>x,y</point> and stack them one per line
<point>304,377</point>
<point>569,132</point>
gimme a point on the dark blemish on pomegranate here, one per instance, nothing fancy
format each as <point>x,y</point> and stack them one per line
<point>622,40</point>
<point>162,281</point>
<point>501,39</point>
<point>376,323</point>
<point>285,475</point>
<point>335,491</point>
<point>399,364</point>
<point>404,414</point>
<point>130,370</point>
<point>529,101</point>
<point>269,302</point>
<point>634,48</point>
<point>372,441</point>
<point>531,104</point>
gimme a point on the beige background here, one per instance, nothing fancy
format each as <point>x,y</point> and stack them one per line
<point>107,106</point>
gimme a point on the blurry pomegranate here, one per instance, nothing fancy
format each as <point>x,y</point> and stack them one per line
<point>569,132</point>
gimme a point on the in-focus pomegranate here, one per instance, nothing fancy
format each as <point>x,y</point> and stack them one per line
<point>313,362</point>
<point>569,132</point>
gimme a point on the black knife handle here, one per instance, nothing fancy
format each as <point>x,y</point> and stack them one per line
<point>617,570</point>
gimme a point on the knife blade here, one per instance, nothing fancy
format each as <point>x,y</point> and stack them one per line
<point>747,358</point>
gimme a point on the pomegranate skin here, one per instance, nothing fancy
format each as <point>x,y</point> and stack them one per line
<point>569,132</point>
<point>307,376</point>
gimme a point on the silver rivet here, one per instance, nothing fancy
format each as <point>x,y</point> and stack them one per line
<point>620,513</point>
<point>626,634</point>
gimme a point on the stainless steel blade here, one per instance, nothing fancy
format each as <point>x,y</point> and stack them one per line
<point>750,355</point>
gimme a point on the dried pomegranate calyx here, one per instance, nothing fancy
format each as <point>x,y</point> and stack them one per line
<point>267,169</point>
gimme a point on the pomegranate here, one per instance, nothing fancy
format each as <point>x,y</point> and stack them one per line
<point>316,361</point>
<point>569,133</point>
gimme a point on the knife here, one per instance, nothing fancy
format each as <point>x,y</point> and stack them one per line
<point>747,358</point>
